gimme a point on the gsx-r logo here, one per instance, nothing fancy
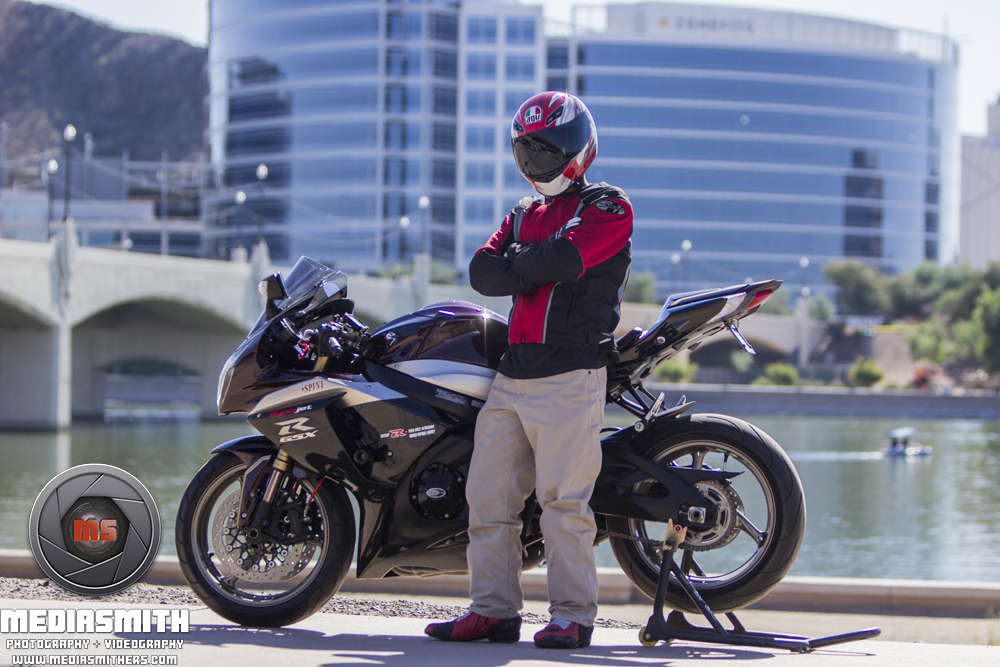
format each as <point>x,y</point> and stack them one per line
<point>295,429</point>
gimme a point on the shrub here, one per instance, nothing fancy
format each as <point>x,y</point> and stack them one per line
<point>673,370</point>
<point>864,373</point>
<point>781,374</point>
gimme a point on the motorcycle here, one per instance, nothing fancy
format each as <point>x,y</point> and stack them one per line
<point>366,437</point>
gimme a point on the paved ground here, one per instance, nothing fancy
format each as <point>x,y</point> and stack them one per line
<point>335,639</point>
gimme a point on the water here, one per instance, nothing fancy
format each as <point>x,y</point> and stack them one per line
<point>935,517</point>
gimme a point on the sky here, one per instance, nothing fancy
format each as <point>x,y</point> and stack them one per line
<point>974,24</point>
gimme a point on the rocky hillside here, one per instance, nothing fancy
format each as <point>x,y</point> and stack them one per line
<point>129,90</point>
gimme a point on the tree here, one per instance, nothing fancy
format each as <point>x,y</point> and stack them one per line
<point>641,288</point>
<point>862,289</point>
<point>987,316</point>
<point>863,373</point>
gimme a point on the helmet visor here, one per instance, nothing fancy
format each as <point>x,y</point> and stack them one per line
<point>541,156</point>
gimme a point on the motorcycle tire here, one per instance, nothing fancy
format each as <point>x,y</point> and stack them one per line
<point>761,514</point>
<point>201,519</point>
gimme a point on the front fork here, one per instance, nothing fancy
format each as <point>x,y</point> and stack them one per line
<point>255,505</point>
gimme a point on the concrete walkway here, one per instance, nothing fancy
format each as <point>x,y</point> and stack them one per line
<point>329,639</point>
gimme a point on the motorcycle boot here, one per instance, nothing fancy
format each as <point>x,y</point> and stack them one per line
<point>473,626</point>
<point>560,633</point>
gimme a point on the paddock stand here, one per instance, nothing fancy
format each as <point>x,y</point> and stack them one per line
<point>677,627</point>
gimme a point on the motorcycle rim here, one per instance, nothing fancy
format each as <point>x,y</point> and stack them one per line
<point>260,588</point>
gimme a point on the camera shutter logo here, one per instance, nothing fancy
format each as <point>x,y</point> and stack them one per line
<point>94,529</point>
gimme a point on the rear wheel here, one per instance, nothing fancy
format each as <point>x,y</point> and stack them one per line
<point>256,580</point>
<point>760,520</point>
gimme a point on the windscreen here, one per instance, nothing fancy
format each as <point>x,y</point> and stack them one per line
<point>306,277</point>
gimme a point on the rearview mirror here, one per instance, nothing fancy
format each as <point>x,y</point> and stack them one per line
<point>272,288</point>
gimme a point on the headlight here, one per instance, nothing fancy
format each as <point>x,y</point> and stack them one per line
<point>225,377</point>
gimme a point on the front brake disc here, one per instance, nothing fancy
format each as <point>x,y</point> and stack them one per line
<point>265,562</point>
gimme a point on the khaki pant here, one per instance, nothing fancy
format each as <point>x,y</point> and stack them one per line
<point>544,435</point>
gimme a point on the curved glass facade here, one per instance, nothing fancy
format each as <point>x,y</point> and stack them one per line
<point>762,152</point>
<point>352,107</point>
<point>760,137</point>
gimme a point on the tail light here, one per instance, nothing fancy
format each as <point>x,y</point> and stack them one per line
<point>759,298</point>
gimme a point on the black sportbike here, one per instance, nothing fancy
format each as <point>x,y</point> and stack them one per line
<point>267,529</point>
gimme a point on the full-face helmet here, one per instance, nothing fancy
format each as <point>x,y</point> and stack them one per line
<point>554,140</point>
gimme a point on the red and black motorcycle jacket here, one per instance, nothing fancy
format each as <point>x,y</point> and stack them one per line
<point>565,260</point>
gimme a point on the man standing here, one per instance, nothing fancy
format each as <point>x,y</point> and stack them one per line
<point>565,258</point>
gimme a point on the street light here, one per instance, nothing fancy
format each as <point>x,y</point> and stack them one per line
<point>675,259</point>
<point>261,177</point>
<point>424,203</point>
<point>241,198</point>
<point>686,248</point>
<point>51,167</point>
<point>404,222</point>
<point>69,134</point>
<point>804,265</point>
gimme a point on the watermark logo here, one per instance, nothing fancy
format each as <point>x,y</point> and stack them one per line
<point>94,529</point>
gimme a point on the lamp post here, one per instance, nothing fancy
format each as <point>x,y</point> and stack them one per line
<point>804,265</point>
<point>675,259</point>
<point>425,231</point>
<point>51,167</point>
<point>686,248</point>
<point>404,222</point>
<point>69,134</point>
<point>241,198</point>
<point>261,177</point>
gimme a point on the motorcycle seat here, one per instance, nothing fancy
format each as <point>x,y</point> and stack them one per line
<point>629,339</point>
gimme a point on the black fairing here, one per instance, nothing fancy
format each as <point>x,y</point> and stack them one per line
<point>455,331</point>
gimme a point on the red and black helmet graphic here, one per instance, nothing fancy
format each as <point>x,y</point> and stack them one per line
<point>554,141</point>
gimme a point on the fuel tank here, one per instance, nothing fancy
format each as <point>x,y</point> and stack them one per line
<point>456,345</point>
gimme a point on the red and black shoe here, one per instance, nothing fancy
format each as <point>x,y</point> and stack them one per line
<point>560,633</point>
<point>472,626</point>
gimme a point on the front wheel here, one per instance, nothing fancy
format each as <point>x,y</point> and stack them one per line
<point>260,581</point>
<point>760,517</point>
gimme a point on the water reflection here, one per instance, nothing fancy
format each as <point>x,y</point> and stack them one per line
<point>935,517</point>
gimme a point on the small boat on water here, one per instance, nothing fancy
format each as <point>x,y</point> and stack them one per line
<point>901,445</point>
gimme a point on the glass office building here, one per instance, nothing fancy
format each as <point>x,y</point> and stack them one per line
<point>759,138</point>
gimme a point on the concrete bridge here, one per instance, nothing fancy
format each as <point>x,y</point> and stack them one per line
<point>69,315</point>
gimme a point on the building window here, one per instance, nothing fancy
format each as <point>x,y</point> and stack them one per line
<point>863,187</point>
<point>444,137</point>
<point>558,56</point>
<point>446,64</point>
<point>479,175</point>
<point>400,172</point>
<point>400,99</point>
<point>520,30</point>
<point>932,194</point>
<point>931,250</point>
<point>479,139</point>
<point>862,159</point>
<point>862,216</point>
<point>402,26</point>
<point>862,246</point>
<point>444,173</point>
<point>482,30</point>
<point>931,222</point>
<point>479,210</point>
<point>445,101</point>
<point>400,136</point>
<point>512,100</point>
<point>402,62</point>
<point>520,68</point>
<point>557,83</point>
<point>481,66</point>
<point>443,209</point>
<point>511,176</point>
<point>444,28</point>
<point>480,103</point>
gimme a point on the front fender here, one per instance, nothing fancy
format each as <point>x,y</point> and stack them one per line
<point>248,448</point>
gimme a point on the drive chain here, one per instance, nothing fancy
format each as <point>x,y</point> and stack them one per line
<point>634,538</point>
